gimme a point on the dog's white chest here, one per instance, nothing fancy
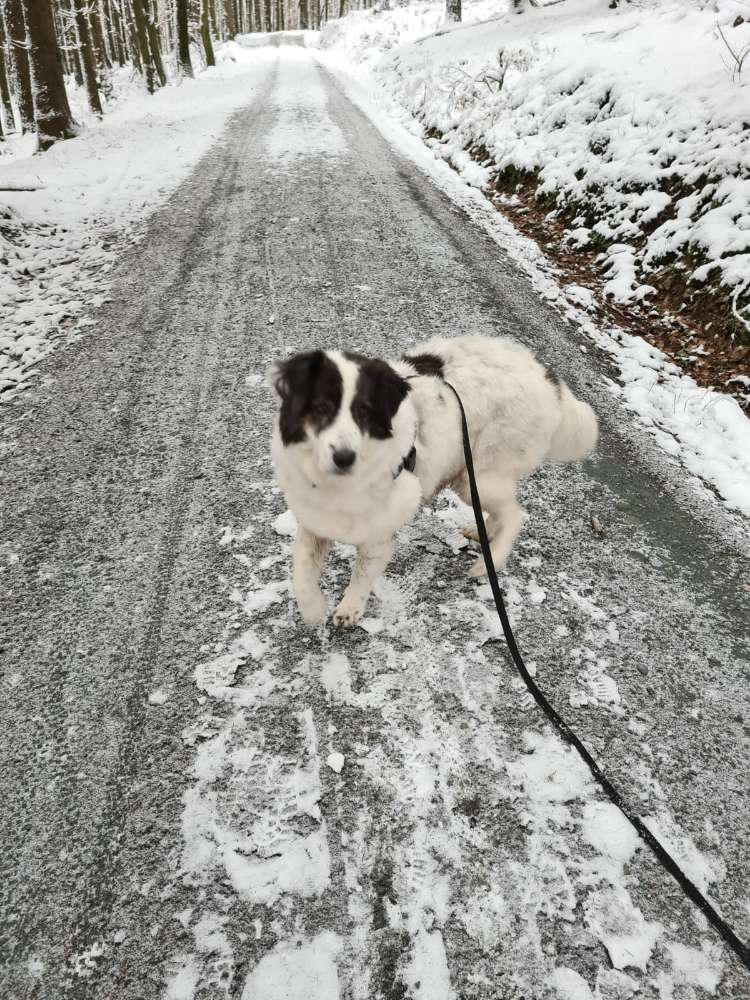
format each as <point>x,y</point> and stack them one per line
<point>354,518</point>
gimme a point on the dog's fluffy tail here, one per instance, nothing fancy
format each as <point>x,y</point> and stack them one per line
<point>578,430</point>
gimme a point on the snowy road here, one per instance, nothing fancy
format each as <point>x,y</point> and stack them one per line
<point>203,798</point>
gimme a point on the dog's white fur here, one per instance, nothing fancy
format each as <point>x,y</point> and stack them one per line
<point>517,418</point>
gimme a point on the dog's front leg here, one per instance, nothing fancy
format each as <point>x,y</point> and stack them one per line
<point>309,553</point>
<point>371,561</point>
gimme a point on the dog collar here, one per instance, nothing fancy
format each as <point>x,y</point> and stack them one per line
<point>408,462</point>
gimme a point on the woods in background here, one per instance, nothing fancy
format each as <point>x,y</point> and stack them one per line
<point>44,41</point>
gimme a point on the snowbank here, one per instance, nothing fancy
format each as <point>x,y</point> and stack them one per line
<point>56,241</point>
<point>629,121</point>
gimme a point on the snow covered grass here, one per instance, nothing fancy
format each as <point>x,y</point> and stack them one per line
<point>57,242</point>
<point>449,82</point>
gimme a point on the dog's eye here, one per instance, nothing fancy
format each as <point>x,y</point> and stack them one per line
<point>320,408</point>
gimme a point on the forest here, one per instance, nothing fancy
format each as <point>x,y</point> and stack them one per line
<point>42,41</point>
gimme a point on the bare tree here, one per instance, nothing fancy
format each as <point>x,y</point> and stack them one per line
<point>184,64</point>
<point>5,100</point>
<point>86,52</point>
<point>52,115</point>
<point>208,48</point>
<point>97,35</point>
<point>15,23</point>
<point>230,18</point>
<point>152,30</point>
<point>141,18</point>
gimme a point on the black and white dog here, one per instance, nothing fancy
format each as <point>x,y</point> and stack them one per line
<point>359,444</point>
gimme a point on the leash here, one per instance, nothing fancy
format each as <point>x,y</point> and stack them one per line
<point>664,857</point>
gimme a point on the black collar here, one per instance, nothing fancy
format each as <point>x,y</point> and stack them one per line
<point>408,462</point>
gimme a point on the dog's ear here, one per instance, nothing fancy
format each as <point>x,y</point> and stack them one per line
<point>294,376</point>
<point>295,381</point>
<point>380,392</point>
<point>394,390</point>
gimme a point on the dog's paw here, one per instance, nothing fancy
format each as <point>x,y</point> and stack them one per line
<point>470,532</point>
<point>348,613</point>
<point>312,608</point>
<point>478,569</point>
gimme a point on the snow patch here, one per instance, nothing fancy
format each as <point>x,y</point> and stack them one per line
<point>621,927</point>
<point>285,524</point>
<point>297,970</point>
<point>335,761</point>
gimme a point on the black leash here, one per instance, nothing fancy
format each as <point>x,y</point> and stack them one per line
<point>665,858</point>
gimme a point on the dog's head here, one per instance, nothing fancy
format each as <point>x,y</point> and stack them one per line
<point>335,405</point>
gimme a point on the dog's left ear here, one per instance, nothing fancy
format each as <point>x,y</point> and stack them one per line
<point>394,389</point>
<point>380,392</point>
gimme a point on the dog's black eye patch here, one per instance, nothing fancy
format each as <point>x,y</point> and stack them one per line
<point>378,395</point>
<point>311,389</point>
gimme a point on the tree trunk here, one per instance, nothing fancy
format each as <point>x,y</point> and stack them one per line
<point>130,31</point>
<point>141,37</point>
<point>78,68</point>
<point>86,51</point>
<point>230,18</point>
<point>20,71</point>
<point>51,110</point>
<point>124,33</point>
<point>153,42</point>
<point>304,15</point>
<point>4,85</point>
<point>111,19</point>
<point>70,40</point>
<point>184,65</point>
<point>97,35</point>
<point>206,34</point>
<point>452,10</point>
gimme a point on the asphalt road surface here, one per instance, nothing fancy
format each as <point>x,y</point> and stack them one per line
<point>162,838</point>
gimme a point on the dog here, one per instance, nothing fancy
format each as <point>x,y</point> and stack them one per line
<point>359,444</point>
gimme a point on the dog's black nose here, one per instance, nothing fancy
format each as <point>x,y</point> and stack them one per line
<point>343,458</point>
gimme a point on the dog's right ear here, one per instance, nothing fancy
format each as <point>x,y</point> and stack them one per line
<point>294,375</point>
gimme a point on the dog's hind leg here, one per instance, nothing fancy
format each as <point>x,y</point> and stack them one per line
<point>309,553</point>
<point>504,518</point>
<point>371,561</point>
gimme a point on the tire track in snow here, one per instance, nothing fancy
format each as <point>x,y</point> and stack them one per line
<point>97,898</point>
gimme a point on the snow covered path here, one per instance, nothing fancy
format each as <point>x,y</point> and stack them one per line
<point>205,799</point>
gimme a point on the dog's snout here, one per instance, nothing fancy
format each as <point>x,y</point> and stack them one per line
<point>343,458</point>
